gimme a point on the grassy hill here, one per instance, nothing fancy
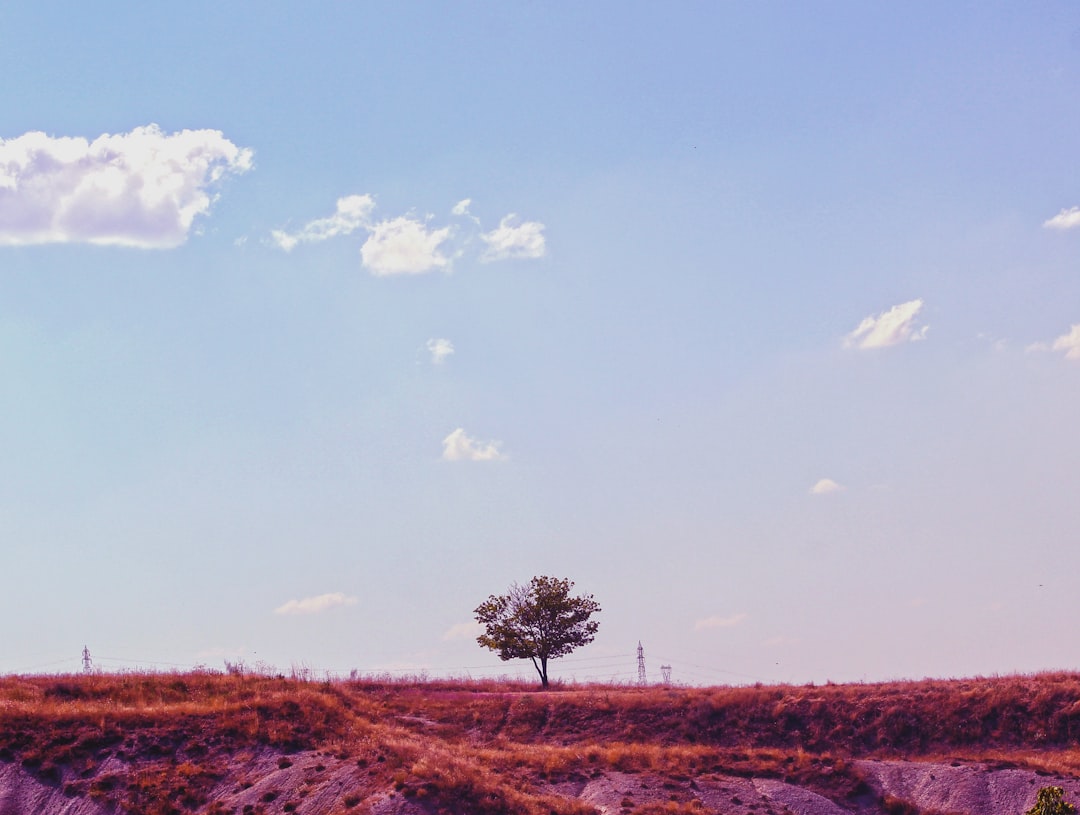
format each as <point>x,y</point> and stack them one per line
<point>179,743</point>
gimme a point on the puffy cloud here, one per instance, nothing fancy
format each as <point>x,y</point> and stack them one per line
<point>314,605</point>
<point>142,188</point>
<point>404,246</point>
<point>440,349</point>
<point>1069,343</point>
<point>463,631</point>
<point>1066,219</point>
<point>891,327</point>
<point>353,212</point>
<point>513,240</point>
<point>720,622</point>
<point>825,486</point>
<point>460,447</point>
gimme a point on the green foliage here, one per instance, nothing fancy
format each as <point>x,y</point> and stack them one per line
<point>540,621</point>
<point>1051,801</point>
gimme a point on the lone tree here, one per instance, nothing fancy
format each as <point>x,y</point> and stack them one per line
<point>540,621</point>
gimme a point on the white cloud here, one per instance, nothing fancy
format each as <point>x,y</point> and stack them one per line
<point>1066,219</point>
<point>463,631</point>
<point>720,622</point>
<point>440,349</point>
<point>352,212</point>
<point>1069,343</point>
<point>141,189</point>
<point>409,245</point>
<point>404,246</point>
<point>460,447</point>
<point>314,605</point>
<point>513,240</point>
<point>825,486</point>
<point>461,210</point>
<point>891,327</point>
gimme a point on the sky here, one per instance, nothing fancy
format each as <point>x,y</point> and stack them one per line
<point>320,323</point>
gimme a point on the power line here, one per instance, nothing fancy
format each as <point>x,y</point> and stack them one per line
<point>713,670</point>
<point>144,662</point>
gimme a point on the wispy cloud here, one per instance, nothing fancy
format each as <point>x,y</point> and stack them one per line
<point>407,245</point>
<point>997,344</point>
<point>891,327</point>
<point>461,210</point>
<point>440,348</point>
<point>458,446</point>
<point>352,212</point>
<point>1066,219</point>
<point>720,622</point>
<point>142,189</point>
<point>317,604</point>
<point>513,240</point>
<point>825,486</point>
<point>463,631</point>
<point>404,245</point>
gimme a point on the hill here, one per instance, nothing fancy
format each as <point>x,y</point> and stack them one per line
<point>248,744</point>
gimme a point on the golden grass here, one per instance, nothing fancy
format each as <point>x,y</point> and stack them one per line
<point>494,748</point>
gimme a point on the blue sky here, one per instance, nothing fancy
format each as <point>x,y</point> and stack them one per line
<point>319,323</point>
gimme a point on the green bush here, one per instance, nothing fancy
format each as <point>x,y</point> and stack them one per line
<point>1051,801</point>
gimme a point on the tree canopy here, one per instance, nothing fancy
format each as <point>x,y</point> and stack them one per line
<point>539,621</point>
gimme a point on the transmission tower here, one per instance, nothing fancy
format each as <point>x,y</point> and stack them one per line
<point>665,670</point>
<point>87,663</point>
<point>641,680</point>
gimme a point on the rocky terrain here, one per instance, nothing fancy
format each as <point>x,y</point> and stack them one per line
<point>209,743</point>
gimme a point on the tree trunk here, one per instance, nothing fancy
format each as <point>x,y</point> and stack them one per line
<point>541,669</point>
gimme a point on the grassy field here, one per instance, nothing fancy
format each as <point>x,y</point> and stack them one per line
<point>489,747</point>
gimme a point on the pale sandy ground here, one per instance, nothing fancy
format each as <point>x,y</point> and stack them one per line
<point>317,784</point>
<point>962,788</point>
<point>22,794</point>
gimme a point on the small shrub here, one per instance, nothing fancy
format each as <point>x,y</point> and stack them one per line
<point>1051,801</point>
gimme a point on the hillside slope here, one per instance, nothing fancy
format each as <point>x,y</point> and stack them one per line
<point>209,743</point>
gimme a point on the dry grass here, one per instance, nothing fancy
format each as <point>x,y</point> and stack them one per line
<point>493,748</point>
